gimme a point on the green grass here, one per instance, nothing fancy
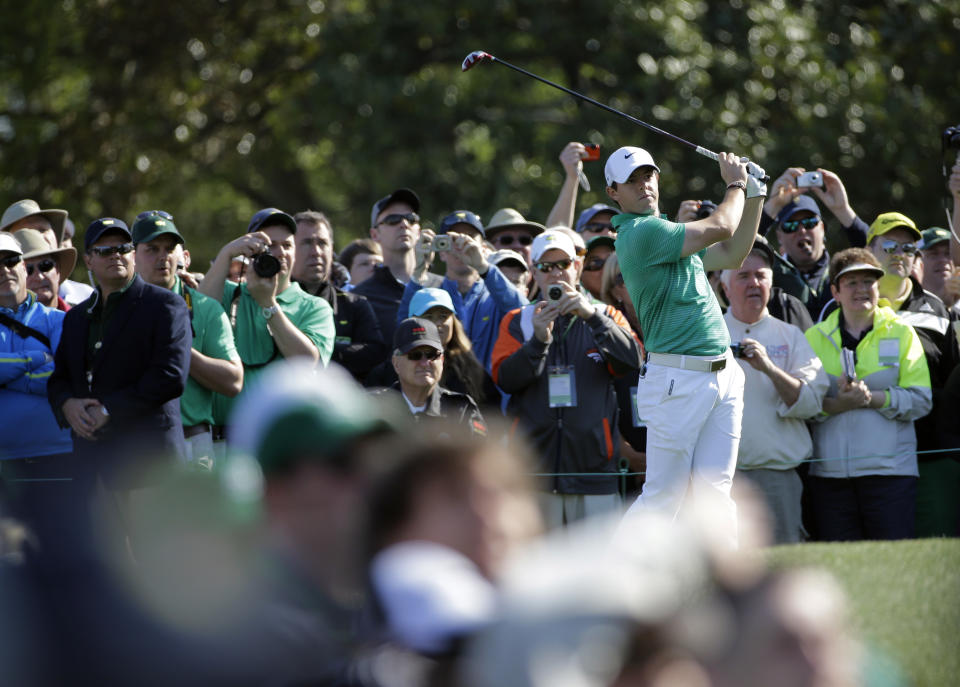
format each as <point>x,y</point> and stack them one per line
<point>904,599</point>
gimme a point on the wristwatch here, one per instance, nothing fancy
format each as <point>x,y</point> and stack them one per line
<point>269,312</point>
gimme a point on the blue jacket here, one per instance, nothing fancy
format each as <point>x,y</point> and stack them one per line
<point>480,309</point>
<point>138,374</point>
<point>29,429</point>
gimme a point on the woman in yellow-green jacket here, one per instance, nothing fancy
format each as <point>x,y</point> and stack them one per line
<point>864,475</point>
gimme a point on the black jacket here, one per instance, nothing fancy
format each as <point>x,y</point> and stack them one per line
<point>138,374</point>
<point>359,345</point>
<point>384,293</point>
<point>447,405</point>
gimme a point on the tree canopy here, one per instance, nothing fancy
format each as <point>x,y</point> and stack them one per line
<point>212,110</point>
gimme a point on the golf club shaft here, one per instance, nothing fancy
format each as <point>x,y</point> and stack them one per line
<point>700,149</point>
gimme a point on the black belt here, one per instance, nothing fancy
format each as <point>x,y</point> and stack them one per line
<point>194,430</point>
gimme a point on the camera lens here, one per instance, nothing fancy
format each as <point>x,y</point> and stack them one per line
<point>554,293</point>
<point>265,265</point>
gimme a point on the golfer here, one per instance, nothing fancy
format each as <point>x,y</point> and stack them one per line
<point>690,392</point>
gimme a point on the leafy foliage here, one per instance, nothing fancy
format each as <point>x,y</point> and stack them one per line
<point>213,109</point>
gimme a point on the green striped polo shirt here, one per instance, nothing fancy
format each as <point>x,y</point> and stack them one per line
<point>676,307</point>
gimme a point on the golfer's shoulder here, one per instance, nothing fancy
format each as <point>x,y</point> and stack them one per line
<point>645,230</point>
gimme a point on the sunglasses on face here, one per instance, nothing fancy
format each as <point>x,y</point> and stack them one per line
<point>594,264</point>
<point>42,266</point>
<point>523,240</point>
<point>548,267</point>
<point>891,247</point>
<point>11,261</point>
<point>792,225</point>
<point>395,218</point>
<point>155,213</point>
<point>598,226</point>
<point>107,251</point>
<point>417,356</point>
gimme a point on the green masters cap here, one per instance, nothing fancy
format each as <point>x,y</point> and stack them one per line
<point>891,220</point>
<point>297,412</point>
<point>933,236</point>
<point>151,225</point>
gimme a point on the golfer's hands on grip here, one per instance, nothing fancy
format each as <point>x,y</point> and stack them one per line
<point>731,169</point>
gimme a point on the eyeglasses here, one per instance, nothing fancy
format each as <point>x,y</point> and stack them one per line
<point>42,266</point>
<point>597,226</point>
<point>417,356</point>
<point>523,240</point>
<point>158,213</point>
<point>11,261</point>
<point>548,267</point>
<point>618,280</point>
<point>395,218</point>
<point>107,251</point>
<point>791,225</point>
<point>890,247</point>
<point>594,264</point>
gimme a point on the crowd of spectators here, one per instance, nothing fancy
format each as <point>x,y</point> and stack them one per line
<point>455,416</point>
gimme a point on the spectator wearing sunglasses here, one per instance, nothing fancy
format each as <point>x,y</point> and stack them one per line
<point>596,221</point>
<point>34,447</point>
<point>508,229</point>
<point>121,367</point>
<point>418,361</point>
<point>599,250</point>
<point>46,267</point>
<point>558,358</point>
<point>395,225</point>
<point>801,232</point>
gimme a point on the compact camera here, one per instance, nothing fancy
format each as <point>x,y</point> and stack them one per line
<point>951,138</point>
<point>707,208</point>
<point>441,243</point>
<point>265,265</point>
<point>737,350</point>
<point>592,152</point>
<point>554,293</point>
<point>810,180</point>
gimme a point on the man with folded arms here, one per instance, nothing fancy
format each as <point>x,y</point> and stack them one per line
<point>214,362</point>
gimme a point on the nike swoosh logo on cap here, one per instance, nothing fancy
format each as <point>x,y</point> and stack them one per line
<point>628,156</point>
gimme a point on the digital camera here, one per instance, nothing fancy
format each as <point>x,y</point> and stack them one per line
<point>554,293</point>
<point>810,180</point>
<point>707,208</point>
<point>441,243</point>
<point>737,350</point>
<point>265,265</point>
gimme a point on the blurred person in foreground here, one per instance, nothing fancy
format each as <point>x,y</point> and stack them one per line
<point>359,344</point>
<point>215,365</point>
<point>864,483</point>
<point>480,292</point>
<point>272,317</point>
<point>690,393</point>
<point>418,360</point>
<point>443,524</point>
<point>46,267</point>
<point>558,359</point>
<point>784,386</point>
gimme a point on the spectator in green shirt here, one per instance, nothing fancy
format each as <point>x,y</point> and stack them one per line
<point>214,362</point>
<point>271,316</point>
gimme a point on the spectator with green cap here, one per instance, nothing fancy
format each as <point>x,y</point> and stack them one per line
<point>311,431</point>
<point>215,365</point>
<point>938,266</point>
<point>271,316</point>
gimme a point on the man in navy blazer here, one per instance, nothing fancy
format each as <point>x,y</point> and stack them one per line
<point>121,367</point>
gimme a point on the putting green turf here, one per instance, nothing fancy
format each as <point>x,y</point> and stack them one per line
<point>904,599</point>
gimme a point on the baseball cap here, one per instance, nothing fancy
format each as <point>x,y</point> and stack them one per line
<point>891,220</point>
<point>8,244</point>
<point>592,212</point>
<point>105,225</point>
<point>505,254</point>
<point>427,298</point>
<point>150,226</point>
<point>296,410</point>
<point>461,217</point>
<point>601,241</point>
<point>550,240</point>
<point>933,236</point>
<point>799,203</point>
<point>401,195</point>
<point>623,161</point>
<point>857,267</point>
<point>414,332</point>
<point>271,217</point>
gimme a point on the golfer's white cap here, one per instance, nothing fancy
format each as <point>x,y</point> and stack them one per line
<point>623,161</point>
<point>550,240</point>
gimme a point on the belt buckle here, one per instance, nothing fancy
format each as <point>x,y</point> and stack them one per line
<point>717,365</point>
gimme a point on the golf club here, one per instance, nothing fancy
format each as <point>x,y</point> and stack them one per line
<point>478,56</point>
